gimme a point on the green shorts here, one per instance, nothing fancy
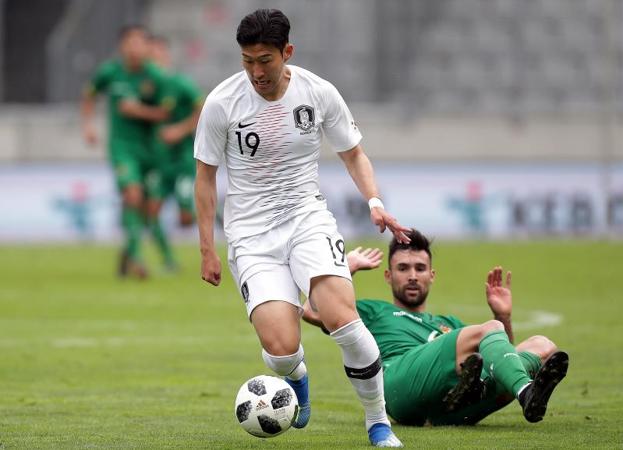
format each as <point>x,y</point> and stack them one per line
<point>174,175</point>
<point>417,381</point>
<point>160,185</point>
<point>130,162</point>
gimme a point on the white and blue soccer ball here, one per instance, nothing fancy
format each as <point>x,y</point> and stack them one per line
<point>266,406</point>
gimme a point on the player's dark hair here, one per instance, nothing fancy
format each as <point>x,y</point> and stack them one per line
<point>419,242</point>
<point>264,26</point>
<point>130,28</point>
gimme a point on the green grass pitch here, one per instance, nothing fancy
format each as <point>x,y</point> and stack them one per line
<point>88,361</point>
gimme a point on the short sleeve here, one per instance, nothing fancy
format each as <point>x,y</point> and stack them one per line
<point>339,126</point>
<point>211,136</point>
<point>101,79</point>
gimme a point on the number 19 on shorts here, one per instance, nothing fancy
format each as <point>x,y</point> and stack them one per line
<point>337,251</point>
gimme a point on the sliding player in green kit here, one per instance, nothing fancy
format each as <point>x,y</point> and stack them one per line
<point>439,370</point>
<point>174,173</point>
<point>134,87</point>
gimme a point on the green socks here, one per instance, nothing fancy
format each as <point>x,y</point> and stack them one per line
<point>161,239</point>
<point>502,362</point>
<point>132,222</point>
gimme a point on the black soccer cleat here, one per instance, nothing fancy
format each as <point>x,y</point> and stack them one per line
<point>470,389</point>
<point>534,398</point>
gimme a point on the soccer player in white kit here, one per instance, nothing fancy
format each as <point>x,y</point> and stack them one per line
<point>266,123</point>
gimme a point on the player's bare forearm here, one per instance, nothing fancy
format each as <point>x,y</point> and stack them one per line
<point>205,198</point>
<point>136,110</point>
<point>508,327</point>
<point>87,106</point>
<point>360,170</point>
<point>174,133</point>
<point>87,111</point>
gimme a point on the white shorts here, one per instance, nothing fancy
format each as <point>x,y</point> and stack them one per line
<point>279,264</point>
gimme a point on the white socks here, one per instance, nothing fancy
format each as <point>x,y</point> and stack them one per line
<point>291,366</point>
<point>363,367</point>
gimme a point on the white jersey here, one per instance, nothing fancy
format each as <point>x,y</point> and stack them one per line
<point>271,148</point>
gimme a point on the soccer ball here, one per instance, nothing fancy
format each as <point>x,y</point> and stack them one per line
<point>266,406</point>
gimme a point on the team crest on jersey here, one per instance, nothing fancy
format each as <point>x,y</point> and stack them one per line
<point>304,118</point>
<point>445,329</point>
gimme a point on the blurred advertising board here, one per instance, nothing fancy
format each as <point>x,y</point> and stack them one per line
<point>79,202</point>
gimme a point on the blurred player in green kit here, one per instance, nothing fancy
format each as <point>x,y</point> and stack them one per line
<point>174,172</point>
<point>135,103</point>
<point>439,370</point>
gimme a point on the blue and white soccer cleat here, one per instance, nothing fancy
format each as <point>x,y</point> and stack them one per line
<point>381,435</point>
<point>301,389</point>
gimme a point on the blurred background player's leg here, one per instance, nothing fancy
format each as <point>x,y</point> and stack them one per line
<point>184,195</point>
<point>158,189</point>
<point>128,180</point>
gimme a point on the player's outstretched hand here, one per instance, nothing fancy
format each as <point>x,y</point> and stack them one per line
<point>383,219</point>
<point>499,295</point>
<point>367,259</point>
<point>211,268</point>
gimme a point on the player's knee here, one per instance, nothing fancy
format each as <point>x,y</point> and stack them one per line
<point>542,346</point>
<point>279,347</point>
<point>490,326</point>
<point>283,364</point>
<point>340,318</point>
<point>133,196</point>
<point>153,208</point>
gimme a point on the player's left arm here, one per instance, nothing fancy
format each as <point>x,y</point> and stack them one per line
<point>189,92</point>
<point>360,169</point>
<point>134,109</point>
<point>500,299</point>
<point>175,132</point>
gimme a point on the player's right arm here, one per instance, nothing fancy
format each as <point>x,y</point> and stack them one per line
<point>98,83</point>
<point>205,197</point>
<point>210,144</point>
<point>87,111</point>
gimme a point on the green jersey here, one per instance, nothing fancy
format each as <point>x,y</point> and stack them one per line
<point>397,330</point>
<point>144,85</point>
<point>183,96</point>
